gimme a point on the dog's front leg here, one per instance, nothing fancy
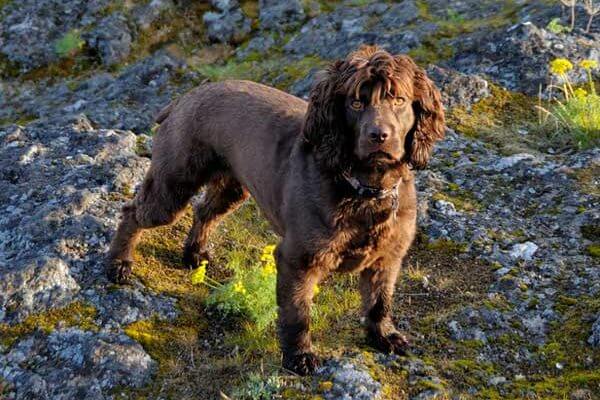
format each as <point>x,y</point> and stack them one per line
<point>377,289</point>
<point>295,289</point>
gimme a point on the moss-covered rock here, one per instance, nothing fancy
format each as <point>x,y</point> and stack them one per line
<point>77,314</point>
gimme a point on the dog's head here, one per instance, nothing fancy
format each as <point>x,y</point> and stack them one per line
<point>374,106</point>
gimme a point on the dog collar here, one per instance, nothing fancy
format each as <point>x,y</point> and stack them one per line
<point>370,192</point>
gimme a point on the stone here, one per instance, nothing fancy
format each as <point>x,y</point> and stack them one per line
<point>518,58</point>
<point>280,15</point>
<point>128,100</point>
<point>111,39</point>
<point>227,26</point>
<point>459,89</point>
<point>510,161</point>
<point>72,363</point>
<point>349,381</point>
<point>594,338</point>
<point>523,250</point>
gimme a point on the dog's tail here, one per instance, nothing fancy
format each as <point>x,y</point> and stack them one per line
<point>164,113</point>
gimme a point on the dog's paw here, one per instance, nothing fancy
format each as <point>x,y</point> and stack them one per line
<point>301,363</point>
<point>119,271</point>
<point>394,342</point>
<point>192,257</point>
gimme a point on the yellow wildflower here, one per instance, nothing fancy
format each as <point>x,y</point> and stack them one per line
<point>580,93</point>
<point>560,66</point>
<point>199,274</point>
<point>269,268</point>
<point>316,290</point>
<point>325,386</point>
<point>267,255</point>
<point>269,249</point>
<point>266,258</point>
<point>238,287</point>
<point>588,64</point>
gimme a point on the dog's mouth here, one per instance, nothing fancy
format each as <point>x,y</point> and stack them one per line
<point>379,157</point>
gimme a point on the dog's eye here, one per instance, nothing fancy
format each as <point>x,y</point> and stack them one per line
<point>356,105</point>
<point>398,101</point>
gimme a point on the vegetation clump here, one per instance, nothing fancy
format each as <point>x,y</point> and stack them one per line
<point>576,112</point>
<point>70,44</point>
<point>250,294</point>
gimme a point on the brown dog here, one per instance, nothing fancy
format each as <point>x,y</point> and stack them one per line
<point>332,176</point>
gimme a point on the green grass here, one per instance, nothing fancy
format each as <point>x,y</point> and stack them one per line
<point>578,117</point>
<point>249,294</point>
<point>574,112</point>
<point>70,44</point>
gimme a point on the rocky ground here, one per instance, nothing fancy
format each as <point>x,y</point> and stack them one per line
<point>501,292</point>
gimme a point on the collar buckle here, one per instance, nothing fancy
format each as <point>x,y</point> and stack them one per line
<point>369,191</point>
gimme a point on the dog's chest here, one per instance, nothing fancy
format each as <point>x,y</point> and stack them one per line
<point>362,239</point>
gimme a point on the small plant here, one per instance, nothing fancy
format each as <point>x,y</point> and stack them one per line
<point>578,111</point>
<point>249,294</point>
<point>591,10</point>
<point>555,27</point>
<point>70,44</point>
<point>259,387</point>
<point>571,4</point>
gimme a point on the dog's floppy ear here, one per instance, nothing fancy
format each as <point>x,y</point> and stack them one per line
<point>430,122</point>
<point>324,122</point>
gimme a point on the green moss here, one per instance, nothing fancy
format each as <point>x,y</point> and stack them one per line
<point>426,384</point>
<point>270,69</point>
<point>447,246</point>
<point>77,314</point>
<point>8,69</point>
<point>566,346</point>
<point>69,44</point>
<point>496,118</point>
<point>591,232</point>
<point>438,47</point>
<point>594,250</point>
<point>250,8</point>
<point>22,120</point>
<point>462,199</point>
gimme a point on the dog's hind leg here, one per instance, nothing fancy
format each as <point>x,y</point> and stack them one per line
<point>224,194</point>
<point>164,194</point>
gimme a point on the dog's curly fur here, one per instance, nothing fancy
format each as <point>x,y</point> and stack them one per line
<point>397,74</point>
<point>240,138</point>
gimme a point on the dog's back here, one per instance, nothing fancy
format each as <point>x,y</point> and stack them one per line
<point>251,126</point>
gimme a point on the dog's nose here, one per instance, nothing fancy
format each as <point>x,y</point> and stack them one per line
<point>378,135</point>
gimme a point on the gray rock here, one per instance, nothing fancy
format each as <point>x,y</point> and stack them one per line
<point>335,34</point>
<point>497,380</point>
<point>111,39</point>
<point>280,15</point>
<point>400,14</point>
<point>129,100</point>
<point>459,89</point>
<point>60,212</point>
<point>229,25</point>
<point>510,161</point>
<point>258,44</point>
<point>30,28</point>
<point>145,14</point>
<point>33,285</point>
<point>523,251</point>
<point>350,381</point>
<point>594,338</point>
<point>225,5</point>
<point>518,57</point>
<point>72,363</point>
